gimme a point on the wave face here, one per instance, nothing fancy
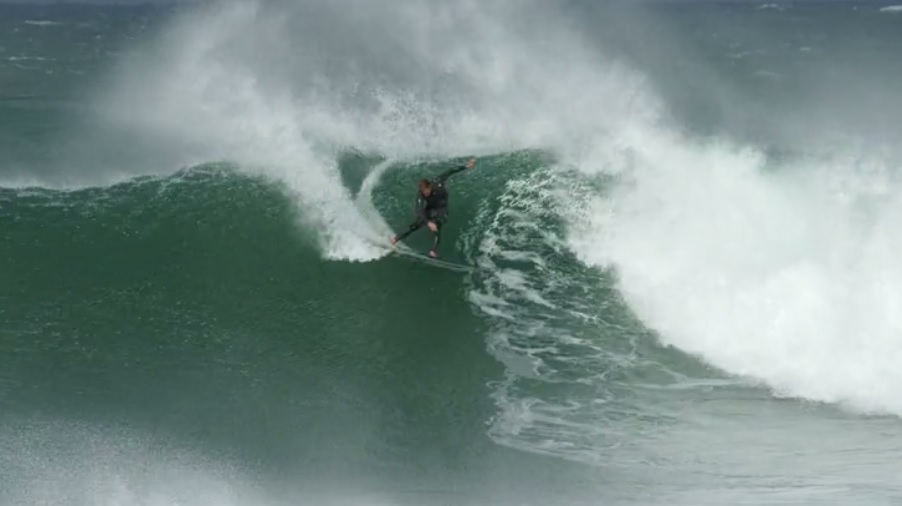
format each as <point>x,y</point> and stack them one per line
<point>684,288</point>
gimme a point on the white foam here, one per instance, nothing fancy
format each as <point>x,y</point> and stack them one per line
<point>41,22</point>
<point>380,231</point>
<point>891,8</point>
<point>26,58</point>
<point>204,97</point>
<point>538,330</point>
<point>779,274</point>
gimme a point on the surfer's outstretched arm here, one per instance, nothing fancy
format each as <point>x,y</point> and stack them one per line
<point>422,219</point>
<point>445,175</point>
<point>411,229</point>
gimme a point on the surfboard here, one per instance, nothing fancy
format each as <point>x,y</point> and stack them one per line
<point>405,252</point>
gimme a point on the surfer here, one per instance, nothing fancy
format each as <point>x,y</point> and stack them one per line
<point>432,206</point>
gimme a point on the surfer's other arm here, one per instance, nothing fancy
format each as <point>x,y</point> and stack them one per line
<point>445,175</point>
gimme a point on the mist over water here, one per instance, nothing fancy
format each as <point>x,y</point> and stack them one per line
<point>683,222</point>
<point>70,463</point>
<point>286,86</point>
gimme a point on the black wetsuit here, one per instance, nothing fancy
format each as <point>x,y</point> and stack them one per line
<point>433,208</point>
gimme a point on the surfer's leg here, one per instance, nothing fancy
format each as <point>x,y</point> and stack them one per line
<point>438,238</point>
<point>439,220</point>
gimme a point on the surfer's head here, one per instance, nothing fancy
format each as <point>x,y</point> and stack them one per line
<point>425,187</point>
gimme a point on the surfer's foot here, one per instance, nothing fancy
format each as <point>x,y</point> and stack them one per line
<point>394,240</point>
<point>433,254</point>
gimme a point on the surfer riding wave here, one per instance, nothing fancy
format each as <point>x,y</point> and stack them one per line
<point>432,206</point>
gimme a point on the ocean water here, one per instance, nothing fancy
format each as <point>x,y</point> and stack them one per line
<point>684,226</point>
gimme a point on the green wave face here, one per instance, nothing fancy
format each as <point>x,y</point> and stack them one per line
<point>201,305</point>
